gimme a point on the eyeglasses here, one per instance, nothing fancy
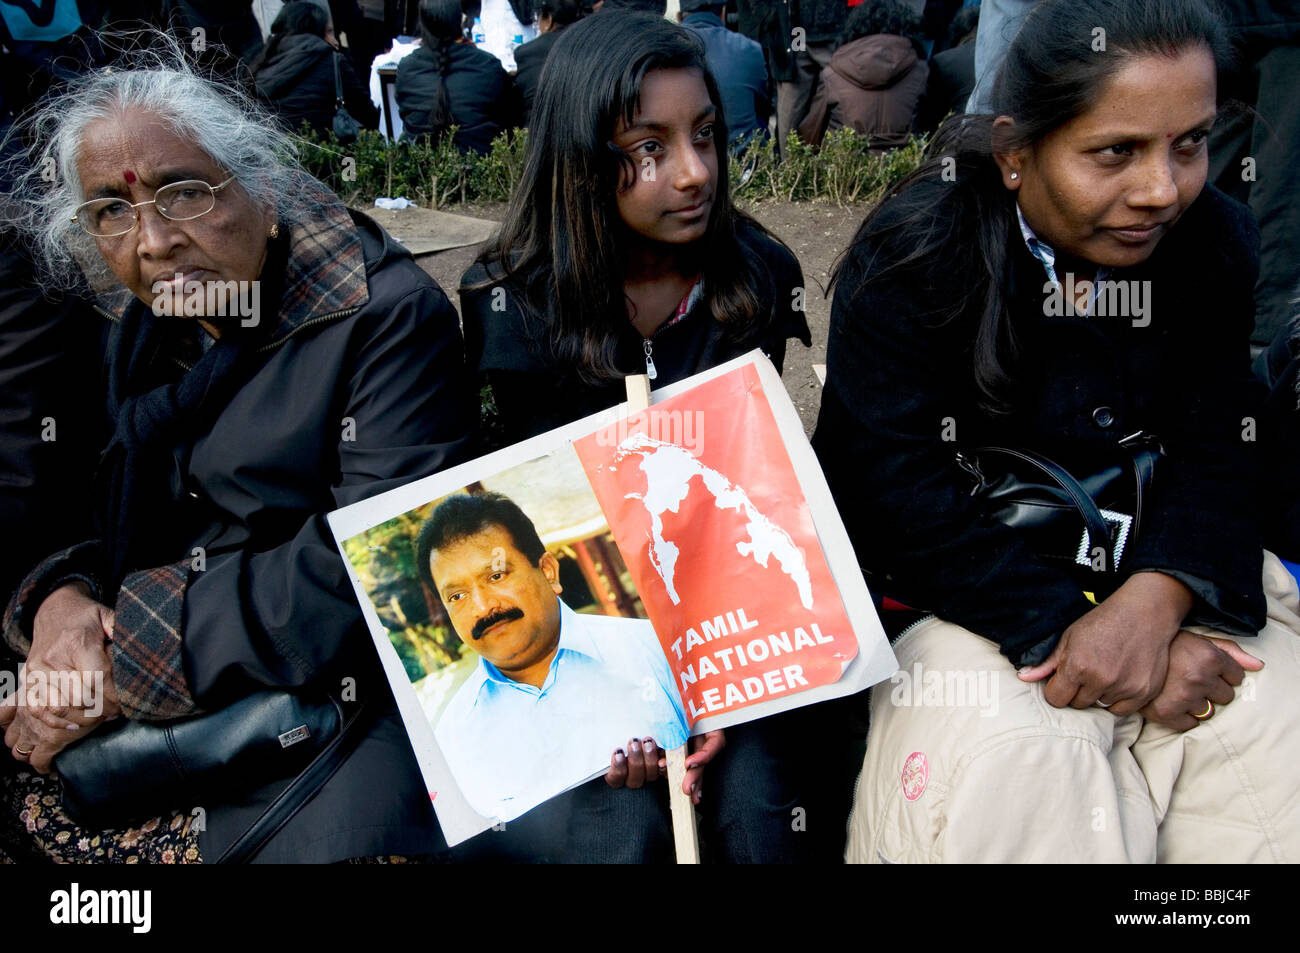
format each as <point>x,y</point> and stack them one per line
<point>176,202</point>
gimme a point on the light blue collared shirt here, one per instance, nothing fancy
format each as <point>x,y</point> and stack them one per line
<point>512,746</point>
<point>1046,254</point>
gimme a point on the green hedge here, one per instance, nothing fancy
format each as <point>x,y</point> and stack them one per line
<point>844,171</point>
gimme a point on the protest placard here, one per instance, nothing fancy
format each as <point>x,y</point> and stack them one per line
<point>659,573</point>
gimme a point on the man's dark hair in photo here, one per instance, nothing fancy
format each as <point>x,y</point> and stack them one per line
<point>467,514</point>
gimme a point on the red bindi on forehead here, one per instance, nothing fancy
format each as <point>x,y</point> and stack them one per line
<point>129,176</point>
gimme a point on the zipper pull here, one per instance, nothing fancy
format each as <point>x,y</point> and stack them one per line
<point>970,464</point>
<point>650,371</point>
<point>1144,440</point>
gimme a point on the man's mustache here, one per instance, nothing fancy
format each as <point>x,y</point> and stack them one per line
<point>485,623</point>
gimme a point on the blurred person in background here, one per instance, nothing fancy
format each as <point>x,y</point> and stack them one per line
<point>952,73</point>
<point>553,17</point>
<point>737,64</point>
<point>875,78</point>
<point>448,82</point>
<point>295,74</point>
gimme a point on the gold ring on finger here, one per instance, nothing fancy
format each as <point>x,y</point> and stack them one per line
<point>1209,710</point>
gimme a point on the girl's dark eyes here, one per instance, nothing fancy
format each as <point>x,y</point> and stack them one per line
<point>653,146</point>
<point>1119,149</point>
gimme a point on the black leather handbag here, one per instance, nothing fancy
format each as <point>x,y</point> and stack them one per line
<point>130,770</point>
<point>1082,525</point>
<point>346,128</point>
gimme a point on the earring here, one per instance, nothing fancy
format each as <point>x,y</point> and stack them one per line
<point>275,230</point>
<point>1014,176</point>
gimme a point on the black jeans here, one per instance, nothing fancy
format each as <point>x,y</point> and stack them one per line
<point>593,823</point>
<point>779,792</point>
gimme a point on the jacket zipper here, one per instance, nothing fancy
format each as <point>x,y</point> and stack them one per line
<point>332,316</point>
<point>647,344</point>
<point>919,622</point>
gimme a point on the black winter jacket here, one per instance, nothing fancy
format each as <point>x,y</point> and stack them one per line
<point>297,82</point>
<point>898,378</point>
<point>1276,20</point>
<point>478,93</point>
<point>536,390</point>
<point>50,434</point>
<point>362,388</point>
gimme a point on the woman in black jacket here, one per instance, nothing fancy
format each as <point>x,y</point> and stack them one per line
<point>295,74</point>
<point>270,357</point>
<point>448,82</point>
<point>1059,279</point>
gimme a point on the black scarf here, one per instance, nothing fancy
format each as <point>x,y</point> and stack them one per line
<point>143,510</point>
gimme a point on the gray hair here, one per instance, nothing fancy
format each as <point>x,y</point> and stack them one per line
<point>225,123</point>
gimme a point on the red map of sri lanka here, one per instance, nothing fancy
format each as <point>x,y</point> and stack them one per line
<point>703,502</point>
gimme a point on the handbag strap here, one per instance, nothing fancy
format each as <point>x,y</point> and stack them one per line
<point>338,81</point>
<point>300,791</point>
<point>1099,535</point>
<point>1144,450</point>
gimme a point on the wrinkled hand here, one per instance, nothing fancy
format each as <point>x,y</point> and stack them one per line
<point>1200,669</point>
<point>67,685</point>
<point>1118,653</point>
<point>642,762</point>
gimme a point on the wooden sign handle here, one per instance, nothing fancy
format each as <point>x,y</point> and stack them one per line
<point>685,837</point>
<point>638,392</point>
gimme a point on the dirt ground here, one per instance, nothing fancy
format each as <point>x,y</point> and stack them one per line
<point>816,233</point>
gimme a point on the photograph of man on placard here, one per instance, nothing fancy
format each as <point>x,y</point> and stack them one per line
<point>554,691</point>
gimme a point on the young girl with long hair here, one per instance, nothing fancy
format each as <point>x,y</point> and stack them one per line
<point>1058,278</point>
<point>622,254</point>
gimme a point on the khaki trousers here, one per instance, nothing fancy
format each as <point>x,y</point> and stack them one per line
<point>965,763</point>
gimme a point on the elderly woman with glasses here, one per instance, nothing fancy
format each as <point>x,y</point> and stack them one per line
<point>270,356</point>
